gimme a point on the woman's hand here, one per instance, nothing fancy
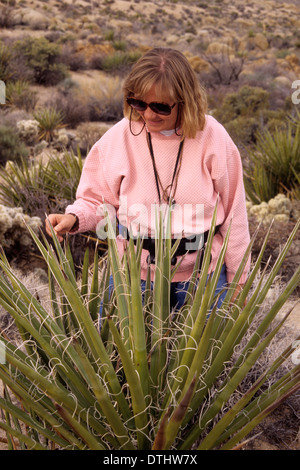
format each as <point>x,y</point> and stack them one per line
<point>61,223</point>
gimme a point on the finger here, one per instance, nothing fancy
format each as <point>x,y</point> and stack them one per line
<point>52,222</point>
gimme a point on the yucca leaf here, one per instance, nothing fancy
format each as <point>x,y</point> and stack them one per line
<point>138,322</point>
<point>92,338</point>
<point>136,387</point>
<point>30,443</point>
<point>79,429</point>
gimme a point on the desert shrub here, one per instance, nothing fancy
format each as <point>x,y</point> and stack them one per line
<point>274,164</point>
<point>118,61</point>
<point>261,75</point>
<point>28,130</point>
<point>40,188</point>
<point>43,57</point>
<point>278,208</point>
<point>11,147</point>
<point>5,57</point>
<point>13,65</point>
<point>50,120</point>
<point>226,64</point>
<point>105,99</point>
<point>72,59</point>
<point>88,133</point>
<point>246,111</point>
<point>74,109</point>
<point>6,15</point>
<point>101,101</point>
<point>106,108</point>
<point>13,231</point>
<point>247,101</point>
<point>20,95</point>
<point>120,45</point>
<point>243,129</point>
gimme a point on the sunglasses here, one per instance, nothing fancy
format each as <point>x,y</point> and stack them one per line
<point>158,108</point>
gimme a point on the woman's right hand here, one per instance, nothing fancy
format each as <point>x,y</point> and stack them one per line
<point>61,223</point>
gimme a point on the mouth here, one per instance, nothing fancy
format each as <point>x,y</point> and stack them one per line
<point>157,121</point>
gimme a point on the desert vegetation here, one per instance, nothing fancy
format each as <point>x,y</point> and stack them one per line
<point>62,64</point>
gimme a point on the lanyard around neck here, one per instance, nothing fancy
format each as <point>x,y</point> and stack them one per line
<point>175,172</point>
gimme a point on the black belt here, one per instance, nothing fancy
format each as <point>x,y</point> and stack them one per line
<point>186,245</point>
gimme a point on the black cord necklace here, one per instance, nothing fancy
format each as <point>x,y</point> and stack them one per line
<point>166,197</point>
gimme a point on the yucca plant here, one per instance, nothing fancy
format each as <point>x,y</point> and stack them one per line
<point>50,121</point>
<point>37,185</point>
<point>20,95</point>
<point>149,379</point>
<point>274,163</point>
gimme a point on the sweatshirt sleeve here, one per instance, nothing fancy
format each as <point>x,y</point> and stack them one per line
<point>93,190</point>
<point>231,191</point>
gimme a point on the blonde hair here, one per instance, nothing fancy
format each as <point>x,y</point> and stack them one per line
<point>171,73</point>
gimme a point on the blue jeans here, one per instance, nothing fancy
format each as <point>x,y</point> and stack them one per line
<point>178,291</point>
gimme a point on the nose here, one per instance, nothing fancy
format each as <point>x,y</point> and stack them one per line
<point>149,114</point>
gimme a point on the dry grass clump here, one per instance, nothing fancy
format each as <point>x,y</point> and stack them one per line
<point>89,97</point>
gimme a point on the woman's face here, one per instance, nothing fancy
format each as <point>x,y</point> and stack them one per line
<point>157,122</point>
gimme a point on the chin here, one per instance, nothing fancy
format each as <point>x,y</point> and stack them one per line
<point>153,126</point>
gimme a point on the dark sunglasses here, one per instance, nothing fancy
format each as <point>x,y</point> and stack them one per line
<point>158,108</point>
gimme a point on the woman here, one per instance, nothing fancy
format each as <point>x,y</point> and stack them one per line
<point>165,149</point>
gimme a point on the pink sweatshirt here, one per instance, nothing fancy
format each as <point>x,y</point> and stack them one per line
<point>118,171</point>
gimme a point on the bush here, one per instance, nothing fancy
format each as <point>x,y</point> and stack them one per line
<point>247,102</point>
<point>243,129</point>
<point>274,164</point>
<point>43,58</point>
<point>100,100</point>
<point>6,15</point>
<point>118,61</point>
<point>50,120</point>
<point>20,95</point>
<point>41,188</point>
<point>5,57</point>
<point>28,130</point>
<point>72,106</point>
<point>11,147</point>
<point>13,231</point>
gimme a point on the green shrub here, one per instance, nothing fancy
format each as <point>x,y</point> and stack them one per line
<point>247,101</point>
<point>14,235</point>
<point>40,188</point>
<point>43,57</point>
<point>5,57</point>
<point>119,60</point>
<point>50,120</point>
<point>11,147</point>
<point>20,95</point>
<point>274,165</point>
<point>243,129</point>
